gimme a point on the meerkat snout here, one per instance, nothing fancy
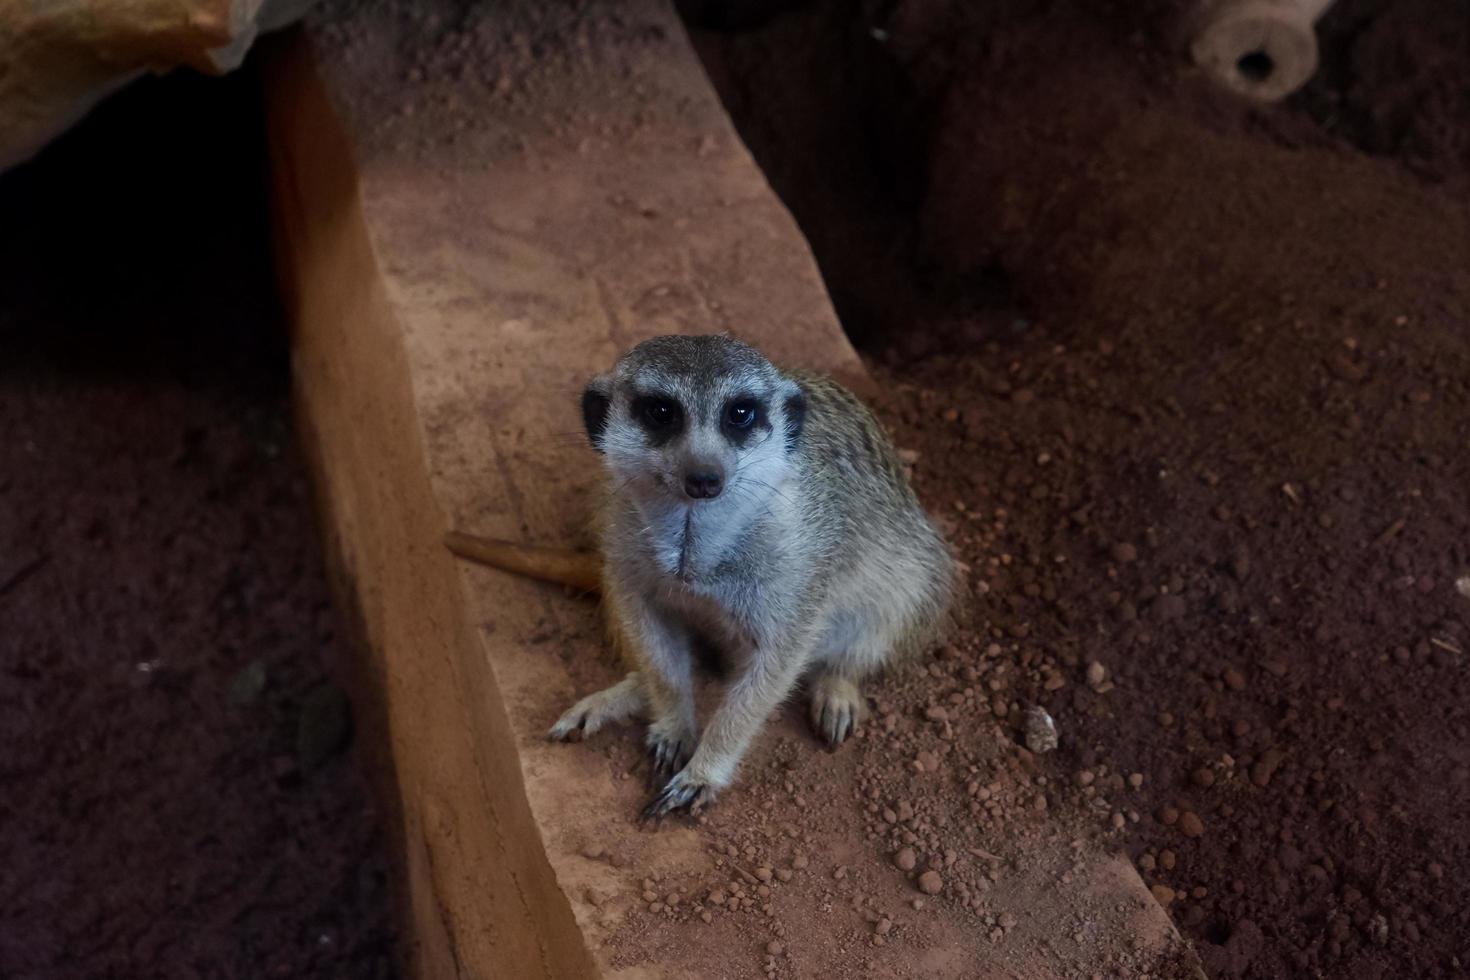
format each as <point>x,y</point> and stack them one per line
<point>704,483</point>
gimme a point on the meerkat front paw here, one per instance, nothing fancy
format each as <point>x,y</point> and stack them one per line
<point>617,703</point>
<point>837,708</point>
<point>682,794</point>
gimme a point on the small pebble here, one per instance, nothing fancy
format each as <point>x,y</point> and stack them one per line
<point>1041,731</point>
<point>906,859</point>
<point>930,883</point>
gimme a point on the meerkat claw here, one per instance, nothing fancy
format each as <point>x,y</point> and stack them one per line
<point>681,795</point>
<point>666,757</point>
<point>836,709</point>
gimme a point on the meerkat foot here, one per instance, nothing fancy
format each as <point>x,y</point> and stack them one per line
<point>670,746</point>
<point>617,703</point>
<point>682,794</point>
<point>837,708</point>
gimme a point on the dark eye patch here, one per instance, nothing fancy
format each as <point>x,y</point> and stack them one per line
<point>742,417</point>
<point>659,416</point>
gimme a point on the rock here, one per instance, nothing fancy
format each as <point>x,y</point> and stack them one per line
<point>1040,730</point>
<point>906,859</point>
<point>323,725</point>
<point>1123,553</point>
<point>1096,673</point>
<point>1266,767</point>
<point>1191,824</point>
<point>883,927</point>
<point>1163,894</point>
<point>930,883</point>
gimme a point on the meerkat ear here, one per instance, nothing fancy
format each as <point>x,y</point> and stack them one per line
<point>596,402</point>
<point>795,407</point>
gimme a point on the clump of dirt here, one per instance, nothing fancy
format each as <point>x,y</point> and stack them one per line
<point>172,784</point>
<point>1187,379</point>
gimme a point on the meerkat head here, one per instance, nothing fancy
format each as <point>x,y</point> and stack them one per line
<point>701,421</point>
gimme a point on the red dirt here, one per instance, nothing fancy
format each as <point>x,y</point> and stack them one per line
<point>161,816</point>
<point>1189,381</point>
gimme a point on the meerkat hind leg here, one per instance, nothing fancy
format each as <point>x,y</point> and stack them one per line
<point>837,706</point>
<point>622,701</point>
<point>853,647</point>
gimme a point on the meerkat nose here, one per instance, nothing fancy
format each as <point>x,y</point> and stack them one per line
<point>703,484</point>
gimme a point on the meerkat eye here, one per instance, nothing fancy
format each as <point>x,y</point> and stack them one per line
<point>740,414</point>
<point>660,412</point>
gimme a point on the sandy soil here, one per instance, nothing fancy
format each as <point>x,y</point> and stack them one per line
<point>173,791</point>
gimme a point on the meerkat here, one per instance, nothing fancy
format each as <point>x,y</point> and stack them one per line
<point>759,512</point>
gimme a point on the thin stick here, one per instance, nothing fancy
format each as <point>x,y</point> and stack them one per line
<point>1390,532</point>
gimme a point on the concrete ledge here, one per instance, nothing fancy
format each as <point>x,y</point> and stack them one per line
<point>481,891</point>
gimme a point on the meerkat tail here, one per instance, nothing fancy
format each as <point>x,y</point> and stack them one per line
<point>579,569</point>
